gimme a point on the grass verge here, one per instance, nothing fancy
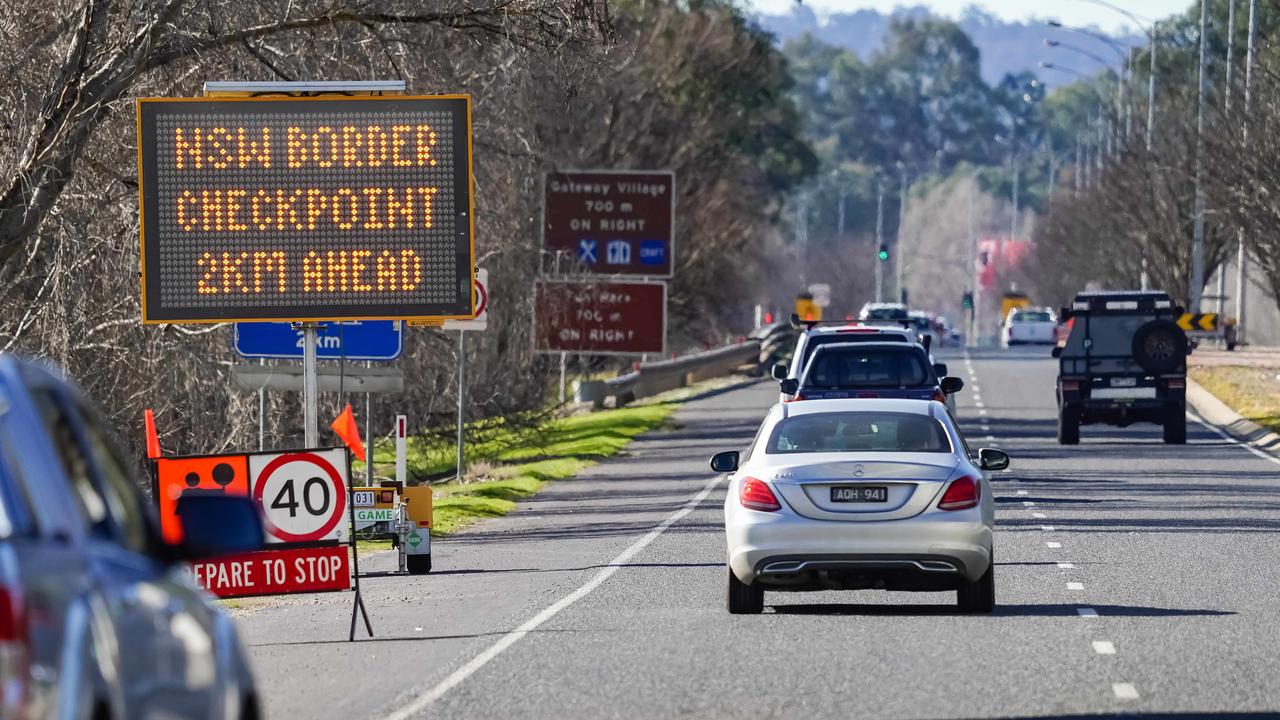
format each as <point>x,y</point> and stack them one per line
<point>1253,392</point>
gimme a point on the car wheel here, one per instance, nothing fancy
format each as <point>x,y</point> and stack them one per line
<point>1175,426</point>
<point>418,564</point>
<point>980,596</point>
<point>1068,427</point>
<point>744,598</point>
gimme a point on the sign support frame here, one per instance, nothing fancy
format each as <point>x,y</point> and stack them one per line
<point>462,390</point>
<point>358,603</point>
<point>310,387</point>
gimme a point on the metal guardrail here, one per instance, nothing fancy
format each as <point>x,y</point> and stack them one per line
<point>655,377</point>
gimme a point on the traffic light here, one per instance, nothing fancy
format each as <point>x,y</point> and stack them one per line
<point>884,253</point>
<point>966,301</point>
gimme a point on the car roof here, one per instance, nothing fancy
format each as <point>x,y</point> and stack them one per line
<point>827,347</point>
<point>863,329</point>
<point>810,407</point>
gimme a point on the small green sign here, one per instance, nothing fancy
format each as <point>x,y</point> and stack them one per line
<point>415,540</point>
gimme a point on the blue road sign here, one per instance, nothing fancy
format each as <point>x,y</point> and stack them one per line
<point>363,340</point>
<point>587,252</point>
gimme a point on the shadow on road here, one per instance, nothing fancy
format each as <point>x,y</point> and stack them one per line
<point>1037,610</point>
<point>1157,716</point>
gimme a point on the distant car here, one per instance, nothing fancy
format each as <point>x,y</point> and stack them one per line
<point>1123,360</point>
<point>99,616</point>
<point>859,494</point>
<point>872,370</point>
<point>814,335</point>
<point>894,314</point>
<point>922,323</point>
<point>1027,326</point>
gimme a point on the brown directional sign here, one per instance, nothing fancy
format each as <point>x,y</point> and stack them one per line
<point>600,318</point>
<point>611,223</point>
<point>324,208</point>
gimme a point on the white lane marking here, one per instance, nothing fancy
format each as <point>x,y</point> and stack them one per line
<point>1223,434</point>
<point>1053,545</point>
<point>1038,516</point>
<point>982,411</point>
<point>1029,503</point>
<point>977,399</point>
<point>1066,566</point>
<point>1104,647</point>
<point>1124,691</point>
<point>421,702</point>
<point>991,438</point>
<point>1075,586</point>
<point>985,427</point>
<point>1022,492</point>
<point>976,389</point>
<point>1087,612</point>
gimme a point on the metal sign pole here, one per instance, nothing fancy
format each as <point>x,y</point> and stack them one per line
<point>368,435</point>
<point>564,360</point>
<point>310,388</point>
<point>262,415</point>
<point>462,389</point>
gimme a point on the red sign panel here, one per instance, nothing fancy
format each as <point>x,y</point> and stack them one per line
<point>202,474</point>
<point>611,223</point>
<point>276,572</point>
<point>600,318</point>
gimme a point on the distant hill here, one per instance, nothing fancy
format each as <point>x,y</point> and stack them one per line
<point>1005,46</point>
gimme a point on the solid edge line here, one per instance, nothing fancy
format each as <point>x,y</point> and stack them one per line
<point>423,701</point>
<point>1233,440</point>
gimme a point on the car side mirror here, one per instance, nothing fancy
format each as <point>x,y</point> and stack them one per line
<point>992,459</point>
<point>1064,313</point>
<point>779,371</point>
<point>951,385</point>
<point>725,461</point>
<point>789,386</point>
<point>940,369</point>
<point>1056,351</point>
<point>218,524</point>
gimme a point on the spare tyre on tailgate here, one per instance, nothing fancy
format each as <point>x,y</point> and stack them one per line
<point>1159,346</point>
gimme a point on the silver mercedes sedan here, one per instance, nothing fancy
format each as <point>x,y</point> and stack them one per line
<point>859,494</point>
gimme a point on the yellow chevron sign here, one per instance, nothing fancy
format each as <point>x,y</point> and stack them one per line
<point>1207,322</point>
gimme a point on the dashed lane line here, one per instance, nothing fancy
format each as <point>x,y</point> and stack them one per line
<point>1047,528</point>
<point>1087,612</point>
<point>1029,503</point>
<point>1066,566</point>
<point>423,701</point>
<point>1104,647</point>
<point>1039,516</point>
<point>1053,545</point>
<point>1124,691</point>
<point>1075,586</point>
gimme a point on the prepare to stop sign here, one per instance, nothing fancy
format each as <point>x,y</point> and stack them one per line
<point>303,495</point>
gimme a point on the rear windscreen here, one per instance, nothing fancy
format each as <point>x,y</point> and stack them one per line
<point>858,432</point>
<point>1032,317</point>
<point>815,341</point>
<point>1110,335</point>
<point>868,368</point>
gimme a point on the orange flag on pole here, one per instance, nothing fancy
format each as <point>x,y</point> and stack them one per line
<point>153,439</point>
<point>345,426</point>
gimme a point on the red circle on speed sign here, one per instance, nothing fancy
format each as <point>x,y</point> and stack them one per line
<point>482,298</point>
<point>332,508</point>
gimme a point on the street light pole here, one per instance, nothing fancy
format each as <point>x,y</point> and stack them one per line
<point>1197,241</point>
<point>1219,302</point>
<point>879,297</point>
<point>900,256</point>
<point>1242,258</point>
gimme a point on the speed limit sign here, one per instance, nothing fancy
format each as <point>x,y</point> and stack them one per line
<point>303,495</point>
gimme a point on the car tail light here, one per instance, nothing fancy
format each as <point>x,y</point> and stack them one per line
<point>1070,385</point>
<point>756,495</point>
<point>962,494</point>
<point>14,657</point>
<point>1176,383</point>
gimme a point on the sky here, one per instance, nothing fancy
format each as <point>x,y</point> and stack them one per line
<point>1072,12</point>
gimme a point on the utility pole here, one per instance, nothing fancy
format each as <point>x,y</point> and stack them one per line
<point>1079,169</point>
<point>1242,258</point>
<point>1197,240</point>
<point>879,297</point>
<point>839,212</point>
<point>802,239</point>
<point>901,258</point>
<point>1151,87</point>
<point>1220,301</point>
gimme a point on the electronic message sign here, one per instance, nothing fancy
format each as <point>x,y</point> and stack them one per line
<point>306,208</point>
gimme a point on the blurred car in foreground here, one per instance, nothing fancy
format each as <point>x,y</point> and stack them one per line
<point>1123,360</point>
<point>99,617</point>
<point>1027,326</point>
<point>859,494</point>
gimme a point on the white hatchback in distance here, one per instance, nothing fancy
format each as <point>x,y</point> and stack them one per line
<point>859,494</point>
<point>1026,326</point>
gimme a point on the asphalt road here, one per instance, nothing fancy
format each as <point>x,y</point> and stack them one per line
<point>1132,578</point>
